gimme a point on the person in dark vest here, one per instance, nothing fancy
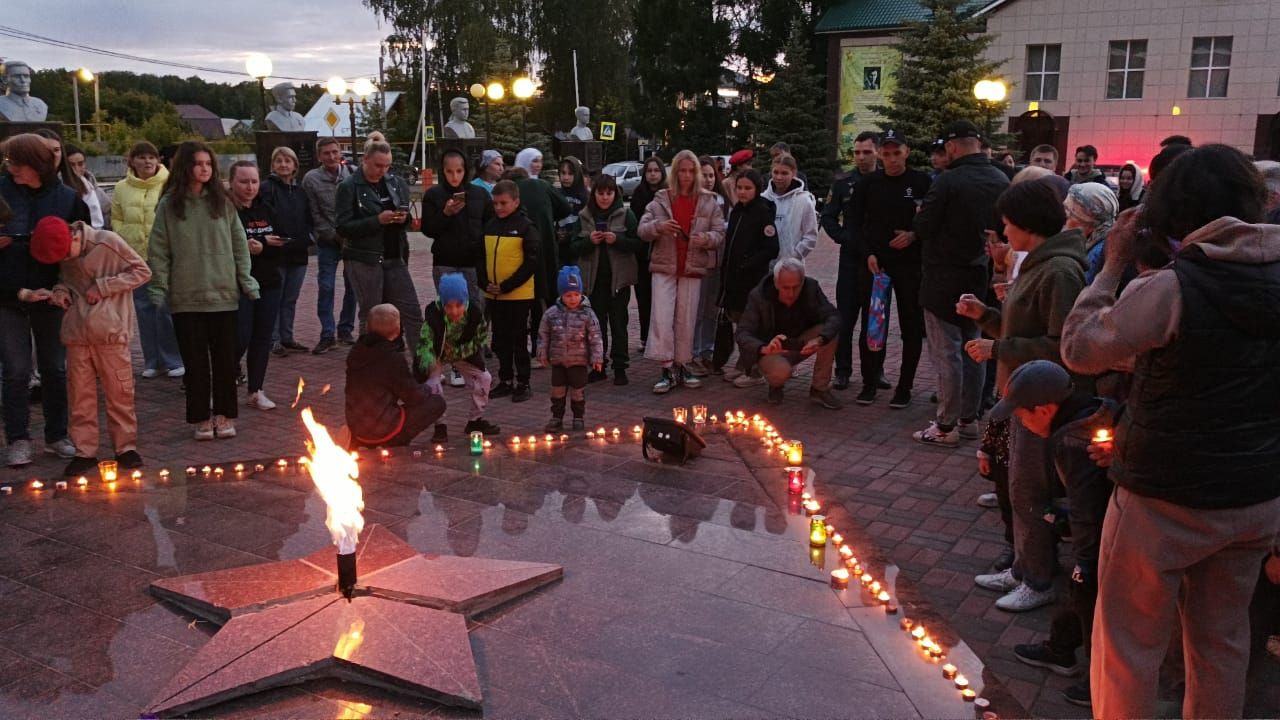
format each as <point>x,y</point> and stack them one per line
<point>1196,456</point>
<point>384,402</point>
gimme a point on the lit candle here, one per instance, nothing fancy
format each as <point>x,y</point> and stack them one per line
<point>7,489</point>
<point>1103,435</point>
<point>206,470</point>
<point>549,438</point>
<point>875,587</point>
<point>600,432</point>
<point>840,578</point>
<point>795,480</point>
<point>37,485</point>
<point>417,453</point>
<point>60,485</point>
<point>883,596</point>
<point>907,624</point>
<point>866,578</point>
<point>439,449</point>
<point>846,551</point>
<point>475,441</point>
<point>515,441</point>
<point>742,417</point>
<point>385,453</point>
<point>917,632</point>
<point>699,414</point>
<point>239,467</point>
<point>795,452</point>
<point>82,481</point>
<point>164,474</point>
<point>282,463</point>
<point>616,433</point>
<point>817,531</point>
<point>935,650</point>
<point>532,440</point>
<point>257,468</point>
<point>136,475</point>
<point>488,443</point>
<point>591,435</point>
<point>805,497</point>
<point>968,695</point>
<point>564,438</point>
<point>812,507</point>
<point>107,470</point>
<point>838,540</point>
<point>949,671</point>
<point>857,567</point>
<point>681,414</point>
<point>715,419</point>
<point>637,430</point>
<point>962,682</point>
<point>218,471</point>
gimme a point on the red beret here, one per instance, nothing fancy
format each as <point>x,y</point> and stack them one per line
<point>740,157</point>
<point>51,241</point>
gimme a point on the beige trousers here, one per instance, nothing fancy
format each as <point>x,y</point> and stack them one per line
<point>86,365</point>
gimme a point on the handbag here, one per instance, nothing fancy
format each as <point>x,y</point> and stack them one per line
<point>878,312</point>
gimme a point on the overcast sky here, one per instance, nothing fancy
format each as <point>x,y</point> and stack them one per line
<point>304,38</point>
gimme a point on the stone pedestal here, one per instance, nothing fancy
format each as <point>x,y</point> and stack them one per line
<point>301,142</point>
<point>471,149</point>
<point>9,129</point>
<point>590,152</point>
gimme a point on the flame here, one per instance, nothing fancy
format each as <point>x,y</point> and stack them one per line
<point>325,390</point>
<point>349,641</point>
<point>301,384</point>
<point>334,473</point>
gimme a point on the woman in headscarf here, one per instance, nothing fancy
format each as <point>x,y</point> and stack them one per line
<point>1091,208</point>
<point>1131,188</point>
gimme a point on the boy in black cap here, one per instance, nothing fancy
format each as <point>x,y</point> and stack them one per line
<point>1041,397</point>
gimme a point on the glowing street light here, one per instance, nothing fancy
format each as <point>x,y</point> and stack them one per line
<point>990,93</point>
<point>495,91</point>
<point>259,67</point>
<point>522,88</point>
<point>85,75</point>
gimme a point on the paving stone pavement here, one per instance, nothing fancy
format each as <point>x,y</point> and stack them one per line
<point>915,503</point>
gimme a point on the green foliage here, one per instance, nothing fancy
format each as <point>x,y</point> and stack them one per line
<point>792,110</point>
<point>941,62</point>
<point>679,48</point>
<point>600,32</point>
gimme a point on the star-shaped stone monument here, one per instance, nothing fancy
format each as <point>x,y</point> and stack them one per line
<point>284,623</point>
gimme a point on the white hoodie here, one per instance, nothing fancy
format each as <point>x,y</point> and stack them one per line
<point>796,220</point>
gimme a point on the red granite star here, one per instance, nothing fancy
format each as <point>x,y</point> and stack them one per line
<point>284,623</point>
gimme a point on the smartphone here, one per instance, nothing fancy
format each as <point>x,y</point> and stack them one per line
<point>602,226</point>
<point>460,197</point>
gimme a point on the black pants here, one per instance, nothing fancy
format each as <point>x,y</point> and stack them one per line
<point>572,382</point>
<point>611,311</point>
<point>725,343</point>
<point>1090,495</point>
<point>510,337</point>
<point>536,308</point>
<point>644,292</point>
<point>416,419</point>
<point>209,342</point>
<point>905,290</point>
<point>849,303</point>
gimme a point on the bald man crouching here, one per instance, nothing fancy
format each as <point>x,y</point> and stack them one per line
<point>385,405</point>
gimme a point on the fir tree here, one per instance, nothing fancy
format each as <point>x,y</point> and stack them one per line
<point>942,59</point>
<point>792,110</point>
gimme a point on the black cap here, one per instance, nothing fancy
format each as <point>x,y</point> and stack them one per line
<point>892,137</point>
<point>939,145</point>
<point>960,129</point>
<point>1039,382</point>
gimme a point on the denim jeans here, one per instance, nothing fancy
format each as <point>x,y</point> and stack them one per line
<point>255,320</point>
<point>704,330</point>
<point>293,277</point>
<point>155,333</point>
<point>18,323</point>
<point>959,377</point>
<point>327,258</point>
<point>388,282</point>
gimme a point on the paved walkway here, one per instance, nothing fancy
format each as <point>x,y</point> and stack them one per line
<point>914,504</point>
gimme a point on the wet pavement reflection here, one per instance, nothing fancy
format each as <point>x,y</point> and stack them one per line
<point>687,590</point>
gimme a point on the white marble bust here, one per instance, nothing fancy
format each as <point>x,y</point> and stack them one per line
<point>17,105</point>
<point>458,127</point>
<point>283,117</point>
<point>582,131</point>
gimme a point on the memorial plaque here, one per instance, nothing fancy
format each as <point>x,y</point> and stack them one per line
<point>301,142</point>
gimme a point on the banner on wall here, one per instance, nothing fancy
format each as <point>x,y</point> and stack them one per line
<point>867,78</point>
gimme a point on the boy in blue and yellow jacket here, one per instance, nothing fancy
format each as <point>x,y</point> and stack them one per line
<point>507,277</point>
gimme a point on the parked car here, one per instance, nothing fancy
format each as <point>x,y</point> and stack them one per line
<point>627,174</point>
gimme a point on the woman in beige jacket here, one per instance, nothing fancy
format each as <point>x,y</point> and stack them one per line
<point>685,228</point>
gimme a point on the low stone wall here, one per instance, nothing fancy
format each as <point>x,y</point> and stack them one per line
<point>113,167</point>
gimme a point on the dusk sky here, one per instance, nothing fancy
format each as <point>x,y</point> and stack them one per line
<point>312,39</point>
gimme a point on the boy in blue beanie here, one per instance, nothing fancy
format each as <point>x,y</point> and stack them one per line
<point>569,340</point>
<point>454,333</point>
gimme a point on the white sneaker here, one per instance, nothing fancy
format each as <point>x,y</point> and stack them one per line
<point>456,379</point>
<point>177,372</point>
<point>747,380</point>
<point>204,431</point>
<point>988,500</point>
<point>1003,581</point>
<point>260,401</point>
<point>969,430</point>
<point>1024,598</point>
<point>224,427</point>
<point>63,448</point>
<point>933,435</point>
<point>149,373</point>
<point>731,374</point>
<point>19,453</point>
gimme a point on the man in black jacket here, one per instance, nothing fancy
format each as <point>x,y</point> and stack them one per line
<point>384,404</point>
<point>950,228</point>
<point>835,221</point>
<point>372,214</point>
<point>788,318</point>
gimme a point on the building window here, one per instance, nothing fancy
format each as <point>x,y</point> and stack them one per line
<point>1126,69</point>
<point>1210,67</point>
<point>1044,63</point>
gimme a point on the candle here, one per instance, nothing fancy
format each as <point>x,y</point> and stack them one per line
<point>817,531</point>
<point>61,485</point>
<point>37,485</point>
<point>846,551</point>
<point>795,480</point>
<point>866,578</point>
<point>891,608</point>
<point>917,632</point>
<point>439,449</point>
<point>239,467</point>
<point>417,453</point>
<point>1102,435</point>
<point>715,419</point>
<point>742,417</point>
<point>795,452</point>
<point>532,440</point>
<point>616,433</point>
<point>680,414</point>
<point>218,471</point>
<point>282,463</point>
<point>206,470</point>
<point>838,540</point>
<point>805,497</point>
<point>983,704</point>
<point>875,587</point>
<point>637,430</point>
<point>962,682</point>
<point>82,481</point>
<point>812,507</point>
<point>488,443</point>
<point>549,438</point>
<point>935,650</point>
<point>854,565</point>
<point>968,695</point>
<point>591,435</point>
<point>136,475</point>
<point>164,474</point>
<point>515,441</point>
<point>7,489</point>
<point>949,671</point>
<point>600,432</point>
<point>883,596</point>
<point>475,442</point>
<point>384,453</point>
<point>839,578</point>
<point>564,438</point>
<point>257,468</point>
<point>699,414</point>
<point>107,470</point>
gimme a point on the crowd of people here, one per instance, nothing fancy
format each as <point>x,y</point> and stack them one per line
<point>1110,347</point>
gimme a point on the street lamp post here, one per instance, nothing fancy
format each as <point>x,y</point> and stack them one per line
<point>259,67</point>
<point>361,88</point>
<point>522,88</point>
<point>989,93</point>
<point>478,92</point>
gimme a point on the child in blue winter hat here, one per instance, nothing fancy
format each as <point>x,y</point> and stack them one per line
<point>569,340</point>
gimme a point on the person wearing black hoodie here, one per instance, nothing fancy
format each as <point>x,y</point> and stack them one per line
<point>606,251</point>
<point>573,188</point>
<point>653,177</point>
<point>384,403</point>
<point>454,214</point>
<point>291,217</point>
<point>257,318</point>
<point>751,244</point>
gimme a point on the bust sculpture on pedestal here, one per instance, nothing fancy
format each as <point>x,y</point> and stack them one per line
<point>17,105</point>
<point>283,117</point>
<point>582,131</point>
<point>458,127</point>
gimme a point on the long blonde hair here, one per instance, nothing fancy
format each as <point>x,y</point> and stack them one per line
<point>673,178</point>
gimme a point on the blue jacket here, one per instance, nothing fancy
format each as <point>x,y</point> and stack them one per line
<point>27,207</point>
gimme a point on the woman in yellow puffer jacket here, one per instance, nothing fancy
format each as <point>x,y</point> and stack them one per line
<point>133,210</point>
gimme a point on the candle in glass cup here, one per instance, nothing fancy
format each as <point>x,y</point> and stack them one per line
<point>681,414</point>
<point>840,578</point>
<point>108,470</point>
<point>795,452</point>
<point>818,531</point>
<point>699,414</point>
<point>795,480</point>
<point>476,439</point>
